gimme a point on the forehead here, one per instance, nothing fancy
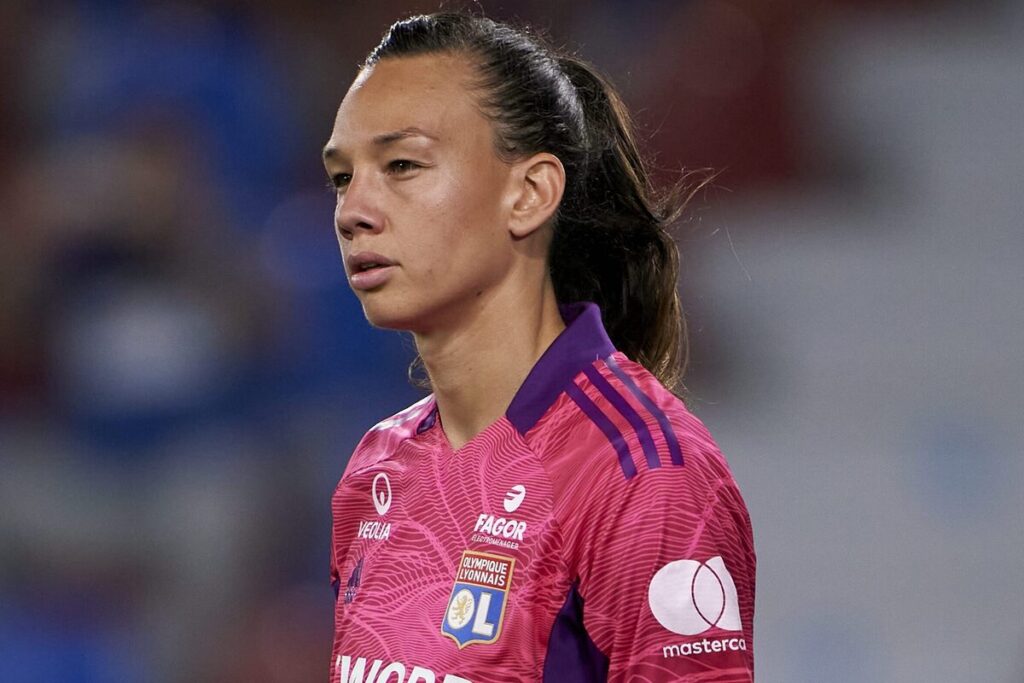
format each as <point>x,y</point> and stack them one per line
<point>429,92</point>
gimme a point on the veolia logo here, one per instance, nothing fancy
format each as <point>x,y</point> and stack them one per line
<point>381,492</point>
<point>514,498</point>
<point>689,597</point>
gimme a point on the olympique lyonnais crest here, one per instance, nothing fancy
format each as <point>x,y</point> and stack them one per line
<point>477,604</point>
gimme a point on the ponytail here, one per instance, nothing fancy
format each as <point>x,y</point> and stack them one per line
<point>611,243</point>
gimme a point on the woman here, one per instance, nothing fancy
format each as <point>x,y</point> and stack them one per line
<point>551,511</point>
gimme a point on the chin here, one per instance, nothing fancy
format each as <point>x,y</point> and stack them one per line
<point>388,315</point>
<point>417,309</point>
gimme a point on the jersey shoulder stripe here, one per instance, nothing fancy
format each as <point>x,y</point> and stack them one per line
<point>618,401</point>
<point>675,453</point>
<point>629,407</point>
<point>610,431</point>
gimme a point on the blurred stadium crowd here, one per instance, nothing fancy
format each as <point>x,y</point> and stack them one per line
<point>183,371</point>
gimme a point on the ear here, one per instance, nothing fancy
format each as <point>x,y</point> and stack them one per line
<point>539,183</point>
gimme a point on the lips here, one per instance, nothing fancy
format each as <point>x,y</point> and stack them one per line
<point>369,270</point>
<point>359,261</point>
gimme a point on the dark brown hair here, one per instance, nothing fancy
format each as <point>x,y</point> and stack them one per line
<point>611,243</point>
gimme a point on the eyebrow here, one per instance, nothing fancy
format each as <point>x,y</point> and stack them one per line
<point>387,138</point>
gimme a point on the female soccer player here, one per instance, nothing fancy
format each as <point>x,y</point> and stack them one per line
<point>551,512</point>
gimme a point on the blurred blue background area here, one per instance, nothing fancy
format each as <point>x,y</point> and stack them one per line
<point>183,371</point>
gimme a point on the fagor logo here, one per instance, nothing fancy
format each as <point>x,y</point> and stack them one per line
<point>689,597</point>
<point>381,491</point>
<point>514,498</point>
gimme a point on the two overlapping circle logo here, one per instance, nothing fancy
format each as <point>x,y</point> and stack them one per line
<point>689,597</point>
<point>381,493</point>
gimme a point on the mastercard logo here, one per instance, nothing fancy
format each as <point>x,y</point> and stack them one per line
<point>689,597</point>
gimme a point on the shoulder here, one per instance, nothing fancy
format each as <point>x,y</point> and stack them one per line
<point>626,456</point>
<point>616,422</point>
<point>382,438</point>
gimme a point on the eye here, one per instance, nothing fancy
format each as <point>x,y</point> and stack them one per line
<point>338,181</point>
<point>400,166</point>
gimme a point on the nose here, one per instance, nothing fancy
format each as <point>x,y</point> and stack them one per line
<point>357,210</point>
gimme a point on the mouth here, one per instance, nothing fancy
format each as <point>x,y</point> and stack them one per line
<point>368,270</point>
<point>363,261</point>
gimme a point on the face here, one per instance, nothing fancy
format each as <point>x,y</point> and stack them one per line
<point>423,201</point>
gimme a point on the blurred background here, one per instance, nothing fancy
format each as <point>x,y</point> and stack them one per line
<point>183,371</point>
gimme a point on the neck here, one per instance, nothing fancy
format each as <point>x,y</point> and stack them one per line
<point>477,364</point>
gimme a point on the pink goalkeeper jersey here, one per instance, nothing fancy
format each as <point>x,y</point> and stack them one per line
<point>593,533</point>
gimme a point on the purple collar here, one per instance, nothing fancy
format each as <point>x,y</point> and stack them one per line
<point>583,341</point>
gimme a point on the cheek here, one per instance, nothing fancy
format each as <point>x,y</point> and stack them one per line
<point>457,232</point>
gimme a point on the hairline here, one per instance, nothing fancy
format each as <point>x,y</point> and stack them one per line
<point>476,85</point>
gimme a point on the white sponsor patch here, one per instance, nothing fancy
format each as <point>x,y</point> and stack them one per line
<point>689,597</point>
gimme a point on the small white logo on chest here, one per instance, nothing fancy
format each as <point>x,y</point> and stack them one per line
<point>380,491</point>
<point>514,498</point>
